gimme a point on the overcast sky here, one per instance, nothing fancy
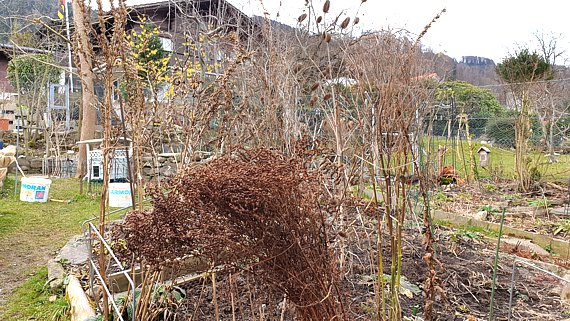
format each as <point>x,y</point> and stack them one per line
<point>487,28</point>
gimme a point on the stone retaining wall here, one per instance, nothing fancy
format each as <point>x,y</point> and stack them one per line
<point>161,166</point>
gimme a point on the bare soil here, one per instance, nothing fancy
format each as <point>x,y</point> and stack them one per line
<point>22,253</point>
<point>465,273</point>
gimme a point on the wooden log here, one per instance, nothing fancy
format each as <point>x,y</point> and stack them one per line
<point>81,308</point>
<point>560,247</point>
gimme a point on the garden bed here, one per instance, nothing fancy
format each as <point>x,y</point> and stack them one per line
<point>464,272</point>
<point>545,211</point>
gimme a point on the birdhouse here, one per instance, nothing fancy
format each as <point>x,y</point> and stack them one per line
<point>484,156</point>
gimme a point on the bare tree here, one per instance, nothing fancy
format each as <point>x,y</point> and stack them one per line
<point>83,49</point>
<point>551,96</point>
<point>521,72</point>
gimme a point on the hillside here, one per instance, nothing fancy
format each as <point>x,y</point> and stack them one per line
<point>24,10</point>
<point>478,71</point>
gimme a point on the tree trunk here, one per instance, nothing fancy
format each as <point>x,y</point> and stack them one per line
<point>84,52</point>
<point>522,138</point>
<point>550,127</point>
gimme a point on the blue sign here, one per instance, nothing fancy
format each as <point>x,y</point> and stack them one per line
<point>34,187</point>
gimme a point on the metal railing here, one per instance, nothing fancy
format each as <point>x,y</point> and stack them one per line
<point>95,270</point>
<point>92,234</point>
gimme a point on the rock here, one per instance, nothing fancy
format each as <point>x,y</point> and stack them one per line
<point>147,159</point>
<point>565,291</point>
<point>23,162</point>
<point>36,163</point>
<point>481,215</point>
<point>149,171</point>
<point>24,168</point>
<point>560,211</point>
<point>161,159</point>
<point>56,274</point>
<point>525,245</point>
<point>75,252</point>
<point>167,171</point>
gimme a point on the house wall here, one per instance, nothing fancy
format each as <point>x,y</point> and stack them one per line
<point>5,86</point>
<point>185,21</point>
<point>7,94</point>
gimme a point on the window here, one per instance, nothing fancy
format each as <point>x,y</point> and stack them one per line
<point>115,91</point>
<point>96,172</point>
<point>166,44</point>
<point>219,55</point>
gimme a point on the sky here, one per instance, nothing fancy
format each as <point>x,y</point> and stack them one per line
<point>487,28</point>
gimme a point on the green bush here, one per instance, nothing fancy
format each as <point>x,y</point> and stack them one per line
<point>32,72</point>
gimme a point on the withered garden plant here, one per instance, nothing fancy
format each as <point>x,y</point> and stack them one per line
<point>378,119</point>
<point>107,39</point>
<point>256,211</point>
<point>390,103</point>
<point>187,92</point>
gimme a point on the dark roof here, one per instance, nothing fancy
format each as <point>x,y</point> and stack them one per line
<point>196,3</point>
<point>9,49</point>
<point>201,5</point>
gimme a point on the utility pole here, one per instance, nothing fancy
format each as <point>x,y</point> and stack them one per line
<point>70,61</point>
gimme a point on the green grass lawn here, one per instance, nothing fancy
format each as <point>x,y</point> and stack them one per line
<point>30,234</point>
<point>16,215</point>
<point>502,161</point>
<point>34,301</point>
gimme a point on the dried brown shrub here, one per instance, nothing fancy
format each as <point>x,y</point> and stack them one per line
<point>256,211</point>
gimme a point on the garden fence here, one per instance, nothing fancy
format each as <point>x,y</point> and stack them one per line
<point>446,140</point>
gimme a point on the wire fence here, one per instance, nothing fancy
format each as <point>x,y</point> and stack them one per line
<point>59,167</point>
<point>498,131</point>
<point>66,167</point>
<point>487,145</point>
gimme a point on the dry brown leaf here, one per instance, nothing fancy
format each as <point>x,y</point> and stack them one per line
<point>326,6</point>
<point>345,23</point>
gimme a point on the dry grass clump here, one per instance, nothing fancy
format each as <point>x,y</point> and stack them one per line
<point>256,211</point>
